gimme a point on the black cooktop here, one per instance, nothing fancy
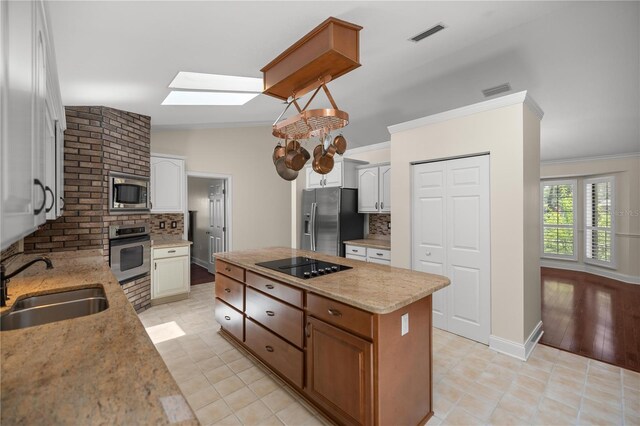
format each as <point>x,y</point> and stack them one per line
<point>303,267</point>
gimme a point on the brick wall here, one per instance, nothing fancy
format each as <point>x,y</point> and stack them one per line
<point>378,225</point>
<point>167,218</point>
<point>97,140</point>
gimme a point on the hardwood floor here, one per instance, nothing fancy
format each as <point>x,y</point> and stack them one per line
<point>591,316</point>
<point>200,275</point>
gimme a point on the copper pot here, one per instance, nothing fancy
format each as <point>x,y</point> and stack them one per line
<point>278,152</point>
<point>340,143</point>
<point>295,160</point>
<point>317,151</point>
<point>305,153</point>
<point>324,164</point>
<point>330,151</point>
<point>293,146</point>
<point>285,172</point>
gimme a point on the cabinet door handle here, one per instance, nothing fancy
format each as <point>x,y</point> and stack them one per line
<point>381,204</point>
<point>334,312</point>
<point>227,317</point>
<point>227,290</point>
<point>270,286</point>
<point>376,205</point>
<point>306,329</point>
<point>62,207</point>
<point>270,313</point>
<point>53,198</point>
<point>44,196</point>
<point>155,265</point>
<point>269,348</point>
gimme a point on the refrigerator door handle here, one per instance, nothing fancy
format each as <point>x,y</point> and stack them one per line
<point>313,226</point>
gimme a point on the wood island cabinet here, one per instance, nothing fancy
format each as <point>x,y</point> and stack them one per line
<point>354,366</point>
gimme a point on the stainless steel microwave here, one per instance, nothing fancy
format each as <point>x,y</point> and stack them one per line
<point>128,193</point>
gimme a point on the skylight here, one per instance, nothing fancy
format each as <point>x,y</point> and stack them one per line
<point>224,83</point>
<point>178,97</point>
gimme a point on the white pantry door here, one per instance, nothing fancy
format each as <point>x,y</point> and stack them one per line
<point>451,234</point>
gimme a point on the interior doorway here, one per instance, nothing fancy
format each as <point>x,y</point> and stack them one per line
<point>209,218</point>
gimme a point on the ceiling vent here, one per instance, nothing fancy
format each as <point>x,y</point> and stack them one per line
<point>491,91</point>
<point>431,31</point>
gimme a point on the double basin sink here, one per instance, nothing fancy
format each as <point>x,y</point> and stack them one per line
<point>51,307</point>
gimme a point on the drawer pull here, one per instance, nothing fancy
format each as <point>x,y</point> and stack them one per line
<point>226,268</point>
<point>270,313</point>
<point>354,250</point>
<point>269,348</point>
<point>378,254</point>
<point>270,286</point>
<point>227,317</point>
<point>171,251</point>
<point>227,290</point>
<point>334,312</point>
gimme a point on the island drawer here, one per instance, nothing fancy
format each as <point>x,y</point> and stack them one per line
<point>282,356</point>
<point>160,253</point>
<point>276,289</point>
<point>233,271</point>
<point>230,319</point>
<point>278,317</point>
<point>339,314</point>
<point>355,250</point>
<point>231,291</point>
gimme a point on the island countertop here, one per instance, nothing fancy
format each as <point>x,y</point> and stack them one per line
<point>97,369</point>
<point>374,288</point>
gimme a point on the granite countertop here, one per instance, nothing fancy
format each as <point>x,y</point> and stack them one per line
<point>162,241</point>
<point>374,288</point>
<point>371,242</point>
<point>97,369</point>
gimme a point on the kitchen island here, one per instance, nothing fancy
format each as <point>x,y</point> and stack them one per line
<point>354,341</point>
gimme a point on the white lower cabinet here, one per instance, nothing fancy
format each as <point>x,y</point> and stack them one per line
<point>170,273</point>
<point>368,254</point>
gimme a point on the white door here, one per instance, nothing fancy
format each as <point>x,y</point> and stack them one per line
<point>217,223</point>
<point>334,177</point>
<point>368,190</point>
<point>167,185</point>
<point>385,189</point>
<point>451,233</point>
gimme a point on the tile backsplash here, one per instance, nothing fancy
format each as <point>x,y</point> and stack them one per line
<point>167,218</point>
<point>378,225</point>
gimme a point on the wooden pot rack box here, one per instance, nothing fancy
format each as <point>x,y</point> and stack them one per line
<point>330,50</point>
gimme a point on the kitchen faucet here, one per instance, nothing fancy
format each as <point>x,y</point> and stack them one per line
<point>4,279</point>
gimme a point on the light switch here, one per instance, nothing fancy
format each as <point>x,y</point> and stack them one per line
<point>405,324</point>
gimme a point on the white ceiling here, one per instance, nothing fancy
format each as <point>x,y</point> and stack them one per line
<point>579,60</point>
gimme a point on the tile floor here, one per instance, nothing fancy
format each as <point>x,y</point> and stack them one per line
<point>472,384</point>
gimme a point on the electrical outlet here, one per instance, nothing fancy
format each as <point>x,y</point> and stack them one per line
<point>405,324</point>
<point>174,224</point>
<point>162,225</point>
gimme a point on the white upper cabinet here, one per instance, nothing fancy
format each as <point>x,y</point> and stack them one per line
<point>31,109</point>
<point>343,174</point>
<point>374,183</point>
<point>167,184</point>
<point>368,190</point>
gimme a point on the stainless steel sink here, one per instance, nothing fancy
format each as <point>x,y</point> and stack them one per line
<point>51,307</point>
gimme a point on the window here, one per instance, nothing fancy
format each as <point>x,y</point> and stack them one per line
<point>599,231</point>
<point>559,219</point>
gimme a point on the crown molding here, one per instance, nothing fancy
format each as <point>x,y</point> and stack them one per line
<point>501,102</point>
<point>596,158</point>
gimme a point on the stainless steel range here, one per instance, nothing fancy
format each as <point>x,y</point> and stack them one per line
<point>303,267</point>
<point>129,251</point>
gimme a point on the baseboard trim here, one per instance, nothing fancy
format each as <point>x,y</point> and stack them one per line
<point>581,267</point>
<point>520,351</point>
<point>200,262</point>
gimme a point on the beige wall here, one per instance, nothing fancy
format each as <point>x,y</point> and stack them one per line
<point>503,132</point>
<point>382,155</point>
<point>627,206</point>
<point>261,200</point>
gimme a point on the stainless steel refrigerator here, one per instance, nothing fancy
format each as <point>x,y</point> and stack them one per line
<point>330,217</point>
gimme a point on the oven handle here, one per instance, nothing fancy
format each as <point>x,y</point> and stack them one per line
<point>129,241</point>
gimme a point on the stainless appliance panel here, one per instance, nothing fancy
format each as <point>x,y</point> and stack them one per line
<point>327,221</point>
<point>307,223</point>
<point>128,193</point>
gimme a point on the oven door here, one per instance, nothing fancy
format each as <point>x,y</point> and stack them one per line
<point>130,258</point>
